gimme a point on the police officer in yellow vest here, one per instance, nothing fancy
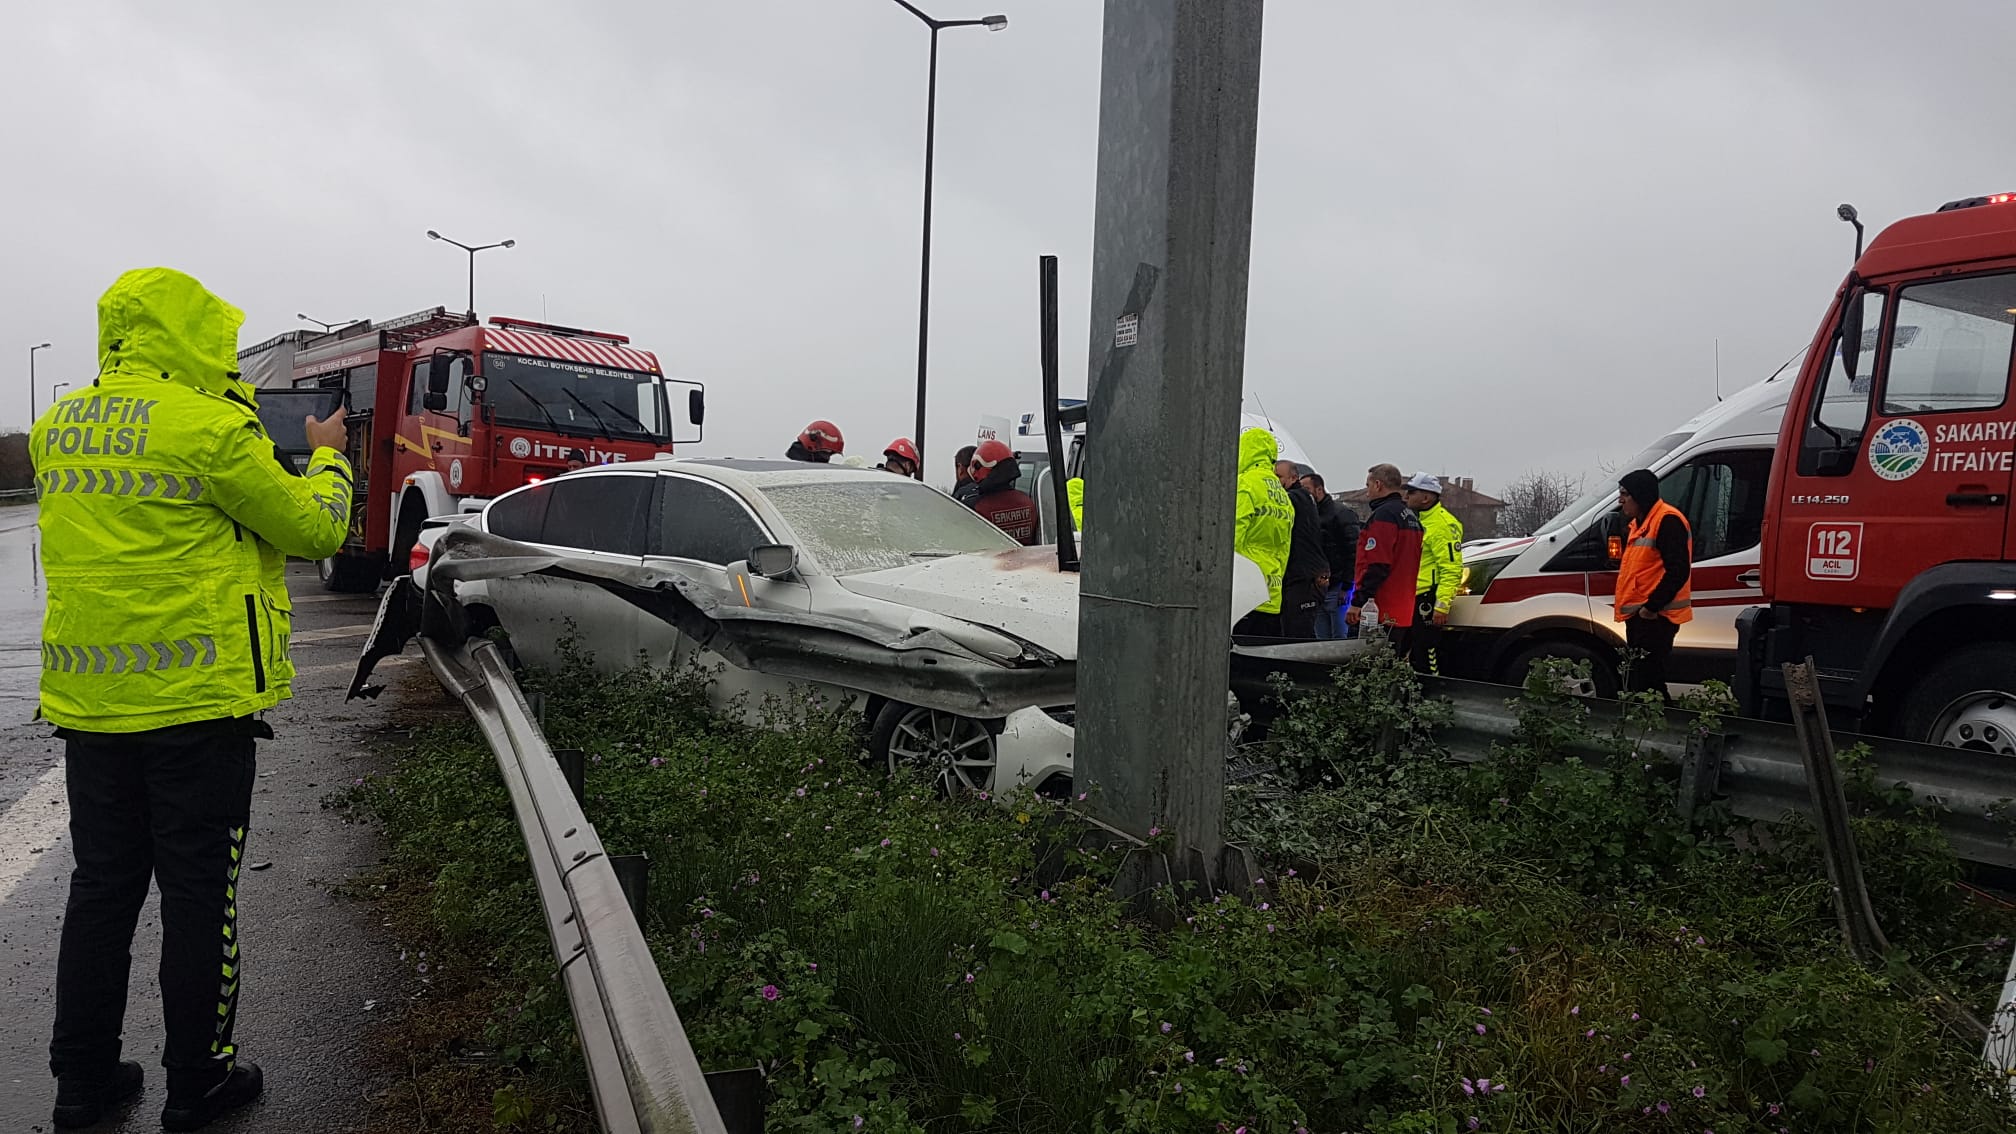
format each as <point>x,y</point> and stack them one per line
<point>1653,593</point>
<point>166,522</point>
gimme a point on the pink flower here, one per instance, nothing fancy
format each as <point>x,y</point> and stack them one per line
<point>1590,1034</point>
<point>885,842</point>
<point>1154,831</point>
<point>1485,1011</point>
<point>1474,1124</point>
<point>1575,1011</point>
<point>1480,1029</point>
<point>1700,1092</point>
<point>1665,1107</point>
<point>657,761</point>
<point>800,793</point>
<point>772,992</point>
<point>1165,1027</point>
<point>1469,1088</point>
<point>1189,1057</point>
<point>969,978</point>
<point>1624,1081</point>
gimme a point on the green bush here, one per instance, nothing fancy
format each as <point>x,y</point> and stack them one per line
<point>1534,943</point>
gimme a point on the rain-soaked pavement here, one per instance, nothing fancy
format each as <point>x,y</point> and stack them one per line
<point>321,969</point>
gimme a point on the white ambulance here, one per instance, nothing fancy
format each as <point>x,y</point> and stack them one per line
<point>1551,594</point>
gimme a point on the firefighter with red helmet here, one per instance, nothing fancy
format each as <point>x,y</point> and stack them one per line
<point>819,443</point>
<point>901,458</point>
<point>995,469</point>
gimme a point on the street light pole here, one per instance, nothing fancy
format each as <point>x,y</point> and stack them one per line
<point>991,23</point>
<point>32,415</point>
<point>54,389</point>
<point>472,250</point>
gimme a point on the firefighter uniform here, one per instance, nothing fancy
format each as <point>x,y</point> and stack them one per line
<point>166,522</point>
<point>1263,526</point>
<point>1654,585</point>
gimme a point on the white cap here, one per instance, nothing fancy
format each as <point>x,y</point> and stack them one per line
<point>1422,482</point>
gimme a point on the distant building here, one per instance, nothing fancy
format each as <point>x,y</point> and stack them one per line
<point>1478,512</point>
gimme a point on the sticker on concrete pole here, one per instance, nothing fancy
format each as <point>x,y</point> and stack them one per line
<point>1127,330</point>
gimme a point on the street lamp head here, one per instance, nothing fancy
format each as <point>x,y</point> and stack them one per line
<point>432,235</point>
<point>994,23</point>
<point>509,244</point>
<point>44,346</point>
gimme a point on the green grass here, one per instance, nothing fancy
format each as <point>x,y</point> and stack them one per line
<point>896,962</point>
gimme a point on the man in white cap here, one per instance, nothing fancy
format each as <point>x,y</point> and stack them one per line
<point>1441,571</point>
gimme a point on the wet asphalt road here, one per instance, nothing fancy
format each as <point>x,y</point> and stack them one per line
<point>320,969</point>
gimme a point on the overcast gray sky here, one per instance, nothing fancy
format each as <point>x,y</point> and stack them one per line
<point>1487,237</point>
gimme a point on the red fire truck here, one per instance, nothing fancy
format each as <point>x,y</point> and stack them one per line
<point>446,412</point>
<point>1888,554</point>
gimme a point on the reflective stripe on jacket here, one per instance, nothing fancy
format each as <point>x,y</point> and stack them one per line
<point>1441,556</point>
<point>1264,520</point>
<point>1641,569</point>
<point>166,522</point>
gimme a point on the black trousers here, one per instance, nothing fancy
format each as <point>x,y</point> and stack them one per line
<point>1653,636</point>
<point>1301,603</point>
<point>1423,637</point>
<point>170,804</point>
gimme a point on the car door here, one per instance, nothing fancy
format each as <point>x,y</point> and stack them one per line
<point>702,526</point>
<point>595,515</point>
<point>1905,463</point>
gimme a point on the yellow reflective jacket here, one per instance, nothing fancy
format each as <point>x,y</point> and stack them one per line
<point>167,520</point>
<point>1074,490</point>
<point>1265,518</point>
<point>1441,555</point>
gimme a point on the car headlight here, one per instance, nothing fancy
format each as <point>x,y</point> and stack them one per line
<point>1477,576</point>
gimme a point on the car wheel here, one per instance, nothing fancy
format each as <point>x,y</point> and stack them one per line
<point>958,752</point>
<point>1967,701</point>
<point>1602,681</point>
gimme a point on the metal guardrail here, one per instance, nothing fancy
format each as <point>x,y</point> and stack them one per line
<point>1759,767</point>
<point>641,1067</point>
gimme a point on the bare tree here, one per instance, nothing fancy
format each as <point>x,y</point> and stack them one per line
<point>1534,498</point>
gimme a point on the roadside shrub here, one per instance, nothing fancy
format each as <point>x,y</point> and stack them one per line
<point>1532,943</point>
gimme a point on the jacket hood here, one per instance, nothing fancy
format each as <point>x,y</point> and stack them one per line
<point>160,323</point>
<point>1258,450</point>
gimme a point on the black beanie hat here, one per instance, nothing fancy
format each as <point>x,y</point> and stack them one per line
<point>1643,487</point>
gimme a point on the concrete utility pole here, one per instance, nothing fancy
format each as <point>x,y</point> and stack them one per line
<point>1179,106</point>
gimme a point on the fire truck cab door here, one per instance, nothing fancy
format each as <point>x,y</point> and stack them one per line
<point>1924,475</point>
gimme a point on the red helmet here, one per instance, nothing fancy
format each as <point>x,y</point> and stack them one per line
<point>822,437</point>
<point>901,447</point>
<point>991,453</point>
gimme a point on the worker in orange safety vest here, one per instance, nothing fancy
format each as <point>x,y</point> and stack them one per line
<point>1654,597</point>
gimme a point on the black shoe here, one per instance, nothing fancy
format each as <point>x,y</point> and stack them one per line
<point>239,1088</point>
<point>83,1102</point>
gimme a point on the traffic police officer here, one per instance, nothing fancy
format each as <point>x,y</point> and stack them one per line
<point>166,522</point>
<point>1441,572</point>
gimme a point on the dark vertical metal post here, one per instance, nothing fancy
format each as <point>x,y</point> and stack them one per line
<point>1053,432</point>
<point>633,874</point>
<point>574,769</point>
<point>472,282</point>
<point>924,284</point>
<point>1830,814</point>
<point>1178,114</point>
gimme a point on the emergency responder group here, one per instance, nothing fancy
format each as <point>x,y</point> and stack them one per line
<point>986,478</point>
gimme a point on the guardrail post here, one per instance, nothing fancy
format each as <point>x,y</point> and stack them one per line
<point>633,873</point>
<point>738,1095</point>
<point>1701,771</point>
<point>574,766</point>
<point>1830,810</point>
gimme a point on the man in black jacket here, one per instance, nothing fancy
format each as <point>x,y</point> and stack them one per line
<point>1339,524</point>
<point>1308,574</point>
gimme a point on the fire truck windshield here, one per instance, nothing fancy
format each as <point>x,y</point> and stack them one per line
<point>574,397</point>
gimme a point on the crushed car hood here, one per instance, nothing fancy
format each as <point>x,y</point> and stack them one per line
<point>1020,591</point>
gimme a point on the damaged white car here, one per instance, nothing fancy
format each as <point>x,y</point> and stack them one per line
<point>957,642</point>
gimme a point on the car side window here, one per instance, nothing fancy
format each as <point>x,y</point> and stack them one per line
<point>1722,496</point>
<point>520,515</point>
<point>698,520</point>
<point>598,513</point>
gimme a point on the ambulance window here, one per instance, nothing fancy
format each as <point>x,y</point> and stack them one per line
<point>699,521</point>
<point>1951,347</point>
<point>602,512</point>
<point>1840,409</point>
<point>1722,496</point>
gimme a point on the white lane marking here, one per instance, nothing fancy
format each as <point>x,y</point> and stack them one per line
<point>332,634</point>
<point>35,822</point>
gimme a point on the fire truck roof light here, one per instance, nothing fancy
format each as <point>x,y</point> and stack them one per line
<point>556,329</point>
<point>1976,202</point>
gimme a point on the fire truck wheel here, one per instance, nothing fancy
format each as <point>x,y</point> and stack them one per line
<point>1967,700</point>
<point>1602,666</point>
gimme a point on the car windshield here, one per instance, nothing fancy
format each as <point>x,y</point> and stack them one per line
<point>570,397</point>
<point>850,526</point>
<point>1606,488</point>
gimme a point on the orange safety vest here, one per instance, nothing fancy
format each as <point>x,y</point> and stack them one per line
<point>1640,570</point>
